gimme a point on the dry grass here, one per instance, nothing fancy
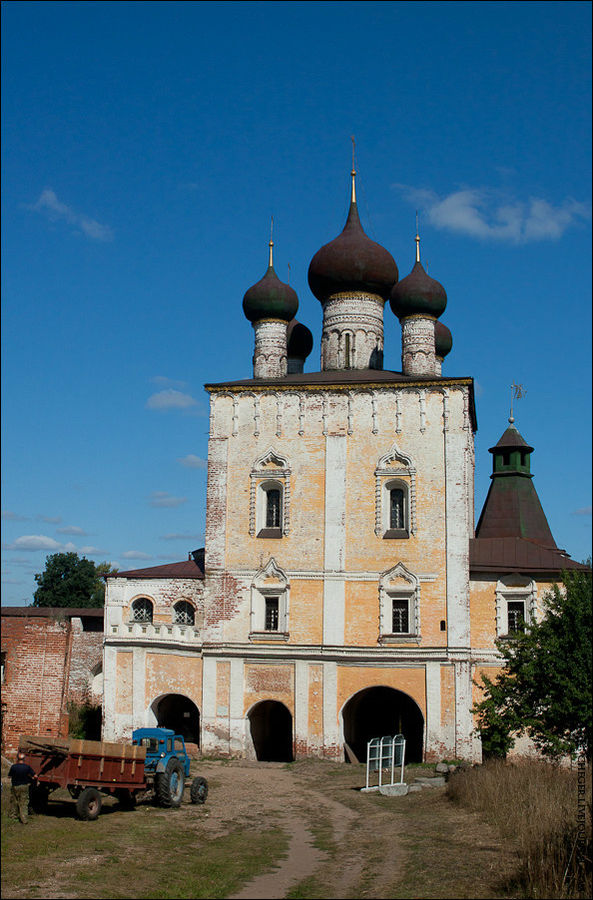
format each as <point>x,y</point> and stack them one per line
<point>546,811</point>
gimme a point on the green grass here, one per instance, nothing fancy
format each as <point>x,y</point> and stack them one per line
<point>147,853</point>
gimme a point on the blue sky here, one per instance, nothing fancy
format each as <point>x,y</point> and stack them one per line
<point>145,147</point>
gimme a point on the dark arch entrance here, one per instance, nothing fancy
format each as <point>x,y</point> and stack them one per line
<point>179,713</point>
<point>271,731</point>
<point>378,711</point>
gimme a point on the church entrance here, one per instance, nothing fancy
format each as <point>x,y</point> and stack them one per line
<point>379,711</point>
<point>271,731</point>
<point>179,713</point>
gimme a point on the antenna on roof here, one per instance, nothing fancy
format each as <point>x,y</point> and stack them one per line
<point>517,393</point>
<point>288,282</point>
<point>353,172</point>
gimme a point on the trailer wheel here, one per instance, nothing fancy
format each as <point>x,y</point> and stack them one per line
<point>198,790</point>
<point>88,805</point>
<point>169,784</point>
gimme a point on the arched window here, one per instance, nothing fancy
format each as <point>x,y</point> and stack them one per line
<point>395,510</point>
<point>184,613</point>
<point>269,501</point>
<point>142,610</point>
<point>273,506</point>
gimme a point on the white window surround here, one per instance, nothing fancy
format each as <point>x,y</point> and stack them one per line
<point>514,588</point>
<point>269,471</point>
<point>394,470</point>
<point>398,583</point>
<point>271,581</point>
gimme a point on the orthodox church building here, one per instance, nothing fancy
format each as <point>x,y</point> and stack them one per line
<point>343,592</point>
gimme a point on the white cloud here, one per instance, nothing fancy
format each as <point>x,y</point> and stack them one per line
<point>49,205</point>
<point>583,511</point>
<point>72,529</point>
<point>30,542</point>
<point>191,461</point>
<point>170,399</point>
<point>92,551</point>
<point>491,215</point>
<point>135,554</point>
<point>13,517</point>
<point>51,520</point>
<point>182,537</point>
<point>164,499</point>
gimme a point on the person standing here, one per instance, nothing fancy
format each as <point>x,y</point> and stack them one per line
<point>21,776</point>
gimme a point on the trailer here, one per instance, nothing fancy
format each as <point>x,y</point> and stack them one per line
<point>88,769</point>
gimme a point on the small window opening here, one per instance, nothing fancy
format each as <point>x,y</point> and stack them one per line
<point>516,616</point>
<point>400,617</point>
<point>346,351</point>
<point>443,625</point>
<point>396,508</point>
<point>506,458</point>
<point>273,508</point>
<point>142,610</point>
<point>272,613</point>
<point>183,613</point>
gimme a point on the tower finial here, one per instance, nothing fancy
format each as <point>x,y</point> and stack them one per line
<point>517,393</point>
<point>271,244</point>
<point>353,173</point>
<point>417,240</point>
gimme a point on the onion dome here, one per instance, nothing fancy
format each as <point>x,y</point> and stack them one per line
<point>299,340</point>
<point>352,262</point>
<point>270,298</point>
<point>417,294</point>
<point>443,340</point>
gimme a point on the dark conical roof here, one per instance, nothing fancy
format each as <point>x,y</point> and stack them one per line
<point>418,294</point>
<point>299,340</point>
<point>352,262</point>
<point>512,507</point>
<point>511,440</point>
<point>443,340</point>
<point>270,298</point>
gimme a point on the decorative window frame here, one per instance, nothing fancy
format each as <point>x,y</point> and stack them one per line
<point>395,469</point>
<point>269,468</point>
<point>514,588</point>
<point>270,581</point>
<point>398,583</point>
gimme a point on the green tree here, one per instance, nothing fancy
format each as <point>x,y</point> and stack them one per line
<point>545,687</point>
<point>71,581</point>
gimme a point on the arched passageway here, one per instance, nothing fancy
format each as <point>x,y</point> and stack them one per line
<point>271,731</point>
<point>179,713</point>
<point>378,711</point>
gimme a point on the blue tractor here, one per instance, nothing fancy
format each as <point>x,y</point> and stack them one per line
<point>167,765</point>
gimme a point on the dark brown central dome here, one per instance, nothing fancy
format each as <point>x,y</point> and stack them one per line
<point>352,262</point>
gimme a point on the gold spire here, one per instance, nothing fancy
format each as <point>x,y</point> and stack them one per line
<point>353,174</point>
<point>417,240</point>
<point>271,244</point>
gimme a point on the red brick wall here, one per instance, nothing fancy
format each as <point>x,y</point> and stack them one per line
<point>48,660</point>
<point>36,662</point>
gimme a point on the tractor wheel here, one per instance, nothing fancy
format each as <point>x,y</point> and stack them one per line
<point>198,790</point>
<point>126,798</point>
<point>169,784</point>
<point>88,805</point>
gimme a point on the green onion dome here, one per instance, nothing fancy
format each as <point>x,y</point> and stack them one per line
<point>299,340</point>
<point>270,298</point>
<point>418,294</point>
<point>352,262</point>
<point>443,340</point>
